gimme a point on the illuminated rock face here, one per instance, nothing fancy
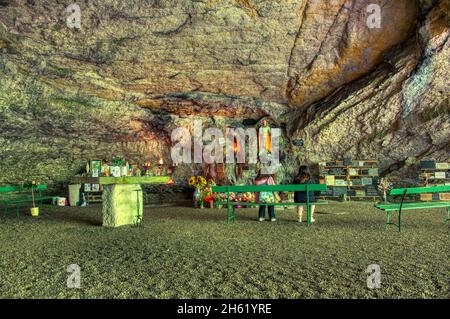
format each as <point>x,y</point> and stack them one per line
<point>138,69</point>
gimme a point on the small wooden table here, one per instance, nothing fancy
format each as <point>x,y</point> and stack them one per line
<point>123,200</point>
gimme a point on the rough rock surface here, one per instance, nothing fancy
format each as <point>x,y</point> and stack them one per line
<point>137,69</point>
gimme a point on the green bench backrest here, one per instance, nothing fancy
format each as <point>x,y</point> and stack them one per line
<point>269,188</point>
<point>13,189</point>
<point>420,190</point>
<point>9,189</point>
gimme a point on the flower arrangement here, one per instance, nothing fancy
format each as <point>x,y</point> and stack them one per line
<point>220,197</point>
<point>384,186</point>
<point>202,189</point>
<point>236,197</point>
<point>201,182</point>
<point>207,194</point>
<point>192,181</point>
<point>249,197</point>
<point>197,182</point>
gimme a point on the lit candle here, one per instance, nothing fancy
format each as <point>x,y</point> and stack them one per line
<point>159,169</point>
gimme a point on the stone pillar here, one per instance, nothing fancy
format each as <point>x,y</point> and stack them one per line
<point>121,203</point>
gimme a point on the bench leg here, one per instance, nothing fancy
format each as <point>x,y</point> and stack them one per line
<point>234,213</point>
<point>399,220</point>
<point>308,214</point>
<point>228,214</point>
<point>388,219</point>
<point>448,215</point>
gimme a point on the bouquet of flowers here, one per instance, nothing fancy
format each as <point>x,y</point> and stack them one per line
<point>238,198</point>
<point>197,182</point>
<point>384,186</point>
<point>249,197</point>
<point>220,197</point>
<point>208,196</point>
<point>192,181</point>
<point>200,184</point>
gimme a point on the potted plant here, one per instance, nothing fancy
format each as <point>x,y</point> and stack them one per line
<point>33,184</point>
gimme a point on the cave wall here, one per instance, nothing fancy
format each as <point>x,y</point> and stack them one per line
<point>138,69</point>
<point>399,112</point>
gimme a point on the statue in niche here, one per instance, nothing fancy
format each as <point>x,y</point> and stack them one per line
<point>238,167</point>
<point>264,140</point>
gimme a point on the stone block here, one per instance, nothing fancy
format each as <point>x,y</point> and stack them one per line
<point>122,204</point>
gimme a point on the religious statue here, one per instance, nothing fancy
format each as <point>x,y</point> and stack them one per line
<point>264,139</point>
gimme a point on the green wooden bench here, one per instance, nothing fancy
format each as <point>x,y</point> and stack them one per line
<point>400,207</point>
<point>18,196</point>
<point>231,205</point>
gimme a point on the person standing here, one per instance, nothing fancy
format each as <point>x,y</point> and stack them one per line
<point>304,177</point>
<point>266,197</point>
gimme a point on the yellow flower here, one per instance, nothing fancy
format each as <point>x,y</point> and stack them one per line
<point>211,182</point>
<point>192,181</point>
<point>201,181</point>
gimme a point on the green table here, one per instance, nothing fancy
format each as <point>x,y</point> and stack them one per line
<point>123,200</point>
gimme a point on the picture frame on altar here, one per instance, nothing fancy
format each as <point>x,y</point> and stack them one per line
<point>115,171</point>
<point>96,164</point>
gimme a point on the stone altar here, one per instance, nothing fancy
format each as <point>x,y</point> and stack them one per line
<point>123,200</point>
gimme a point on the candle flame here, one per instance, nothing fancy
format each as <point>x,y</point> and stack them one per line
<point>161,162</point>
